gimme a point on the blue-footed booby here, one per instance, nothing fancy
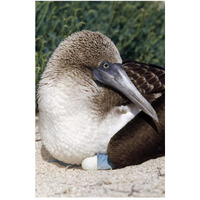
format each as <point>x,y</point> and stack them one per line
<point>87,94</point>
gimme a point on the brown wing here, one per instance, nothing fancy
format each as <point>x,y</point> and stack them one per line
<point>141,139</point>
<point>149,79</point>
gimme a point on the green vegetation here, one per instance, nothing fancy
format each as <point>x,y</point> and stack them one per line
<point>136,28</point>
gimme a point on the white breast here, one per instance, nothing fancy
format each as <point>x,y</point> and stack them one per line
<point>70,130</point>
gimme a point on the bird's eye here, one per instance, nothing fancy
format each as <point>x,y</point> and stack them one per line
<point>106,65</point>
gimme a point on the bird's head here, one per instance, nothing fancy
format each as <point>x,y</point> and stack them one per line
<point>97,52</point>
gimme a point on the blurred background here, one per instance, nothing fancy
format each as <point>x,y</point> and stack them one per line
<point>136,27</point>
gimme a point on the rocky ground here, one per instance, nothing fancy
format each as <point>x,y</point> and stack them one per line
<point>56,180</point>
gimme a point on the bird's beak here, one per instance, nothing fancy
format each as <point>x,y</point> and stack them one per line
<point>116,77</point>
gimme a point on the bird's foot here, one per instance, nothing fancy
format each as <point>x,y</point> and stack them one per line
<point>99,161</point>
<point>62,163</point>
<point>57,161</point>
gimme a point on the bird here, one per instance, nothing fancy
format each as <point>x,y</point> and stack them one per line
<point>88,98</point>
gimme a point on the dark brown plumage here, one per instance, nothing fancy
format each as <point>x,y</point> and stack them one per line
<point>149,79</point>
<point>142,138</point>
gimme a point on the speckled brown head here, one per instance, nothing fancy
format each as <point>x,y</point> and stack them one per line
<point>87,48</point>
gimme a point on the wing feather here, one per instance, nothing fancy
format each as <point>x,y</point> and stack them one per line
<point>149,79</point>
